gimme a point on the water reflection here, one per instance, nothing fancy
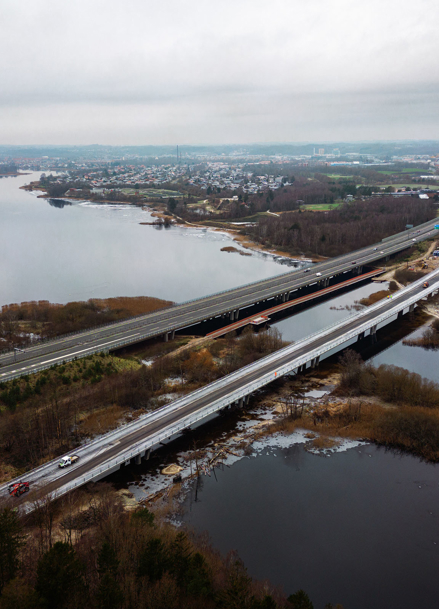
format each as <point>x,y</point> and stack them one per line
<point>359,528</point>
<point>59,203</point>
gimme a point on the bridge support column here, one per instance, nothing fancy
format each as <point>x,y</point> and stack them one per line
<point>172,334</point>
<point>373,334</point>
<point>400,314</point>
<point>236,313</point>
<point>360,336</point>
<point>147,454</point>
<point>137,459</point>
<point>411,310</point>
<point>166,337</point>
<point>315,362</point>
<point>232,315</point>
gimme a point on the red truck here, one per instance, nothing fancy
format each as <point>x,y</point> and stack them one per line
<point>17,489</point>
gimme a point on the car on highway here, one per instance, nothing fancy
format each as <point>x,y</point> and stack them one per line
<point>375,249</point>
<point>354,262</point>
<point>306,271</point>
<point>17,489</point>
<point>318,274</point>
<point>413,239</point>
<point>66,461</point>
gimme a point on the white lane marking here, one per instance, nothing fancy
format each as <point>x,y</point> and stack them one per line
<point>70,354</point>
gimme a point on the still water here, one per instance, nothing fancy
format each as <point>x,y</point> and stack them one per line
<point>360,527</point>
<point>87,250</point>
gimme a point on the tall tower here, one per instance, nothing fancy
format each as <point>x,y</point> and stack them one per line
<point>177,154</point>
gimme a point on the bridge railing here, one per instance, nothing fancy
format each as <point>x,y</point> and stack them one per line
<point>250,387</point>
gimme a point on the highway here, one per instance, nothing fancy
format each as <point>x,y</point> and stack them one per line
<point>162,322</point>
<point>106,454</point>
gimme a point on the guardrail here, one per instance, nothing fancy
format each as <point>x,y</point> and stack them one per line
<point>408,230</point>
<point>400,303</point>
<point>173,305</point>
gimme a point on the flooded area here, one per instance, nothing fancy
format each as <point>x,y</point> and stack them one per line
<point>81,250</point>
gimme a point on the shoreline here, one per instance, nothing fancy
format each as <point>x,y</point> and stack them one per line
<point>243,240</point>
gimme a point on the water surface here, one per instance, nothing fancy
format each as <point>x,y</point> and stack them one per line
<point>360,528</point>
<point>85,250</point>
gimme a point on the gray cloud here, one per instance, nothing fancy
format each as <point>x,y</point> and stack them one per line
<point>202,71</point>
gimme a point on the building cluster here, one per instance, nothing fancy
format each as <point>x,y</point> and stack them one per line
<point>222,176</point>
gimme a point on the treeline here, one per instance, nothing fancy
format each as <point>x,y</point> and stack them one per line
<point>413,424</point>
<point>390,383</point>
<point>350,227</point>
<point>49,320</point>
<point>106,558</point>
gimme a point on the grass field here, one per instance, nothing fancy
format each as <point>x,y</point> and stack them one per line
<point>321,206</point>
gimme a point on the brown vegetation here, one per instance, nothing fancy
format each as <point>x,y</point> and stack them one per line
<point>375,297</point>
<point>429,338</point>
<point>232,250</point>
<point>390,383</point>
<point>406,276</point>
<point>49,320</point>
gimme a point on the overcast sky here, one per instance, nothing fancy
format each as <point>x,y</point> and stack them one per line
<point>231,71</point>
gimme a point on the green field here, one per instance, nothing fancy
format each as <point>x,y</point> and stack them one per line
<point>321,206</point>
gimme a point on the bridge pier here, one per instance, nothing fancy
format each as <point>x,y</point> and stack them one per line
<point>411,310</point>
<point>236,313</point>
<point>138,459</point>
<point>360,336</point>
<point>373,334</point>
<point>166,337</point>
<point>147,454</point>
<point>315,362</point>
<point>400,313</point>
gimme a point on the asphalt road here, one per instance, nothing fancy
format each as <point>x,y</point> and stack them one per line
<point>117,443</point>
<point>183,315</point>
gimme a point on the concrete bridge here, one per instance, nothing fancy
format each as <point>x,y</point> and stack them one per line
<point>225,307</point>
<point>136,440</point>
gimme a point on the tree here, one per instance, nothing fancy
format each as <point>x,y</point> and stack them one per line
<point>18,594</point>
<point>59,575</point>
<point>300,600</point>
<point>153,561</point>
<point>172,204</point>
<point>11,540</point>
<point>109,595</point>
